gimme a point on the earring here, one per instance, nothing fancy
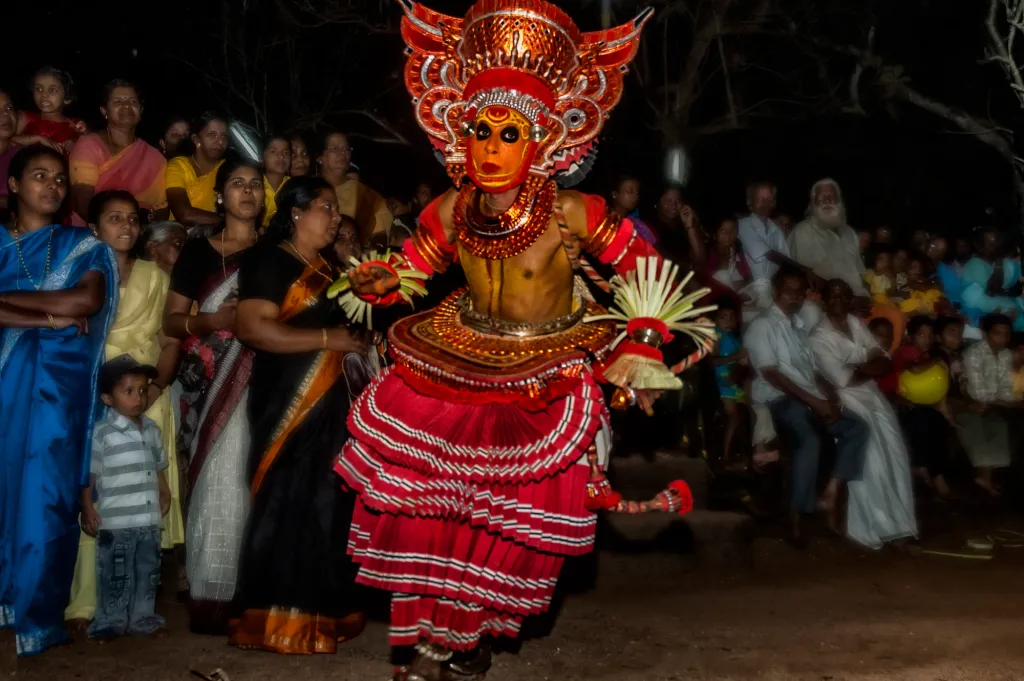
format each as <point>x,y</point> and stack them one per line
<point>220,201</point>
<point>198,144</point>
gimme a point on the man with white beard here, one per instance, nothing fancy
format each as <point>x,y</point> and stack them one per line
<point>825,243</point>
<point>829,248</point>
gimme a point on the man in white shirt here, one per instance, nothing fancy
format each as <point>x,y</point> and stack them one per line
<point>802,403</point>
<point>763,241</point>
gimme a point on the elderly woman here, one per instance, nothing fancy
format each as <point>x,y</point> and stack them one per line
<point>881,504</point>
<point>116,159</point>
<point>191,175</point>
<point>161,243</point>
<point>355,199</point>
<point>295,575</point>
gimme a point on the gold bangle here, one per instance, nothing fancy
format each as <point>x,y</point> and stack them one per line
<point>325,338</point>
<point>187,320</point>
<point>53,322</point>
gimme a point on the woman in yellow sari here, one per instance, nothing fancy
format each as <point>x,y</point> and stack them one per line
<point>114,216</point>
<point>190,175</point>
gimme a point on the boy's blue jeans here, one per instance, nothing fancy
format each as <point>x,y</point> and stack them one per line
<point>127,580</point>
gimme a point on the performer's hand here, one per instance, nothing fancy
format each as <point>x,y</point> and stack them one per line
<point>341,339</point>
<point>645,399</point>
<point>372,280</point>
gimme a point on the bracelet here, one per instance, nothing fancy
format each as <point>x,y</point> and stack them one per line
<point>53,322</point>
<point>325,338</point>
<point>187,320</point>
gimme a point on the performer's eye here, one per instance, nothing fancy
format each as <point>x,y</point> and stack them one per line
<point>483,131</point>
<point>510,135</point>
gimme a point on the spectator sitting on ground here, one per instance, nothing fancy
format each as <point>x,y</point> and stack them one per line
<point>923,295</point>
<point>900,267</point>
<point>925,424</point>
<point>802,403</point>
<point>880,277</point>
<point>881,329</point>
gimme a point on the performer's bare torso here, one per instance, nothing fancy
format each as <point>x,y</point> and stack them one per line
<point>534,286</point>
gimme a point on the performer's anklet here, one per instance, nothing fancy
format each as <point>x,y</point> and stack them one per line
<point>433,652</point>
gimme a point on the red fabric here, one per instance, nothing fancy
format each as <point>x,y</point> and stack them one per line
<point>59,132</point>
<point>904,357</point>
<point>473,443</point>
<point>430,222</point>
<point>466,512</point>
<point>509,78</point>
<point>555,387</point>
<point>638,323</point>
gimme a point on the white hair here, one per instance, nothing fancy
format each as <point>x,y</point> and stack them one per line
<point>823,218</point>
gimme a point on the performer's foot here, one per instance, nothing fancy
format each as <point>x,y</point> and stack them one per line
<point>428,663</point>
<point>472,665</point>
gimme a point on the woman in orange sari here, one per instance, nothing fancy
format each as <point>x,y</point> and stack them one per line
<point>116,159</point>
<point>295,587</point>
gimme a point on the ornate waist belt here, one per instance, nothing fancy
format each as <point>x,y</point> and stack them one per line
<point>457,354</point>
<point>482,323</point>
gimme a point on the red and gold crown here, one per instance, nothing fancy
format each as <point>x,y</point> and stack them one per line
<point>527,55</point>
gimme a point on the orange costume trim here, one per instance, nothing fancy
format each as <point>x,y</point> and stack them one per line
<point>291,632</point>
<point>428,250</point>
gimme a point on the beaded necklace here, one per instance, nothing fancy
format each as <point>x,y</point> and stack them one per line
<point>24,265</point>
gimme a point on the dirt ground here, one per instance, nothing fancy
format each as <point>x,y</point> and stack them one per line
<point>833,613</point>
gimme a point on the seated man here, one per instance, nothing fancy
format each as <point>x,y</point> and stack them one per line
<point>802,403</point>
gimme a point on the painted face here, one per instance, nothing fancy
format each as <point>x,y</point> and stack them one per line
<point>500,150</point>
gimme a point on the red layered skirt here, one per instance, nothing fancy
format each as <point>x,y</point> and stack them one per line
<point>467,511</point>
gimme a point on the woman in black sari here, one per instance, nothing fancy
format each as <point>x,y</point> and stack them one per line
<point>295,592</point>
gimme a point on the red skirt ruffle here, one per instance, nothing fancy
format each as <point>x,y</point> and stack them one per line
<point>467,511</point>
<point>475,443</point>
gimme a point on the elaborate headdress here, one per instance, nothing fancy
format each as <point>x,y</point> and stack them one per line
<point>527,55</point>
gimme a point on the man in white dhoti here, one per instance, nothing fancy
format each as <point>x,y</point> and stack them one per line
<point>880,508</point>
<point>803,404</point>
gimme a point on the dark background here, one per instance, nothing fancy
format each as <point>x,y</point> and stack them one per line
<point>897,165</point>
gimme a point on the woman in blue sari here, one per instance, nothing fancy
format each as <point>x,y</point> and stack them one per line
<point>58,295</point>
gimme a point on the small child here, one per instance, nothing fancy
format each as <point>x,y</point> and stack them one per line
<point>729,358</point>
<point>923,295</point>
<point>52,90</point>
<point>881,329</point>
<point>900,267</point>
<point>127,480</point>
<point>879,277</point>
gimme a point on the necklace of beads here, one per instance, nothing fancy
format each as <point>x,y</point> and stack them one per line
<point>510,233</point>
<point>24,265</point>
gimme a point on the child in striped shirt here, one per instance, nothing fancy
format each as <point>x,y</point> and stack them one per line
<point>123,505</point>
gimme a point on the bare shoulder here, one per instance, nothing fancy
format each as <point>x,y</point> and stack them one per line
<point>571,201</point>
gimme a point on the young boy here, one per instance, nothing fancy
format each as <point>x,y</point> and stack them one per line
<point>985,431</point>
<point>131,496</point>
<point>881,329</point>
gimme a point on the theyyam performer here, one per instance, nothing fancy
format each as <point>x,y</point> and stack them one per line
<point>477,457</point>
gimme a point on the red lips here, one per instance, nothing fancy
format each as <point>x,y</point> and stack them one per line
<point>490,168</point>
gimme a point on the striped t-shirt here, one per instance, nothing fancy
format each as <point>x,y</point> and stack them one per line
<point>126,462</point>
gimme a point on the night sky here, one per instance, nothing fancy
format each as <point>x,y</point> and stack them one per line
<point>908,172</point>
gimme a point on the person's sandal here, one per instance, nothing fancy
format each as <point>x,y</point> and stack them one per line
<point>428,663</point>
<point>470,666</point>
